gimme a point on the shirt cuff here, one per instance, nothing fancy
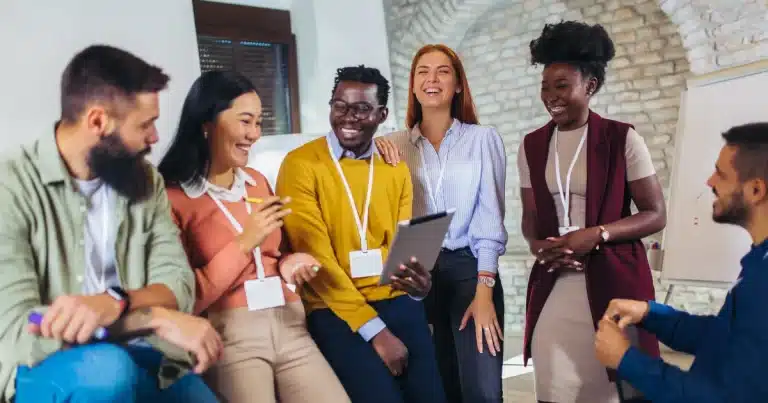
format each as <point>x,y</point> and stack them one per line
<point>371,328</point>
<point>656,314</point>
<point>487,260</point>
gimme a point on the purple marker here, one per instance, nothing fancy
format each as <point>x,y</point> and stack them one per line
<point>37,318</point>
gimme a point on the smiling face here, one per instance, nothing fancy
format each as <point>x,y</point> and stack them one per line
<point>565,93</point>
<point>234,132</point>
<point>356,115</point>
<point>434,80</point>
<point>730,205</point>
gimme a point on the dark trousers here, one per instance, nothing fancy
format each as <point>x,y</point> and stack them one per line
<point>360,369</point>
<point>468,376</point>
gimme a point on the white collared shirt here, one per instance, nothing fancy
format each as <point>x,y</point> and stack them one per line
<point>99,237</point>
<point>200,186</point>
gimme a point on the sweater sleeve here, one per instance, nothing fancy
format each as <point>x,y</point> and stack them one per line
<point>220,274</point>
<point>308,233</point>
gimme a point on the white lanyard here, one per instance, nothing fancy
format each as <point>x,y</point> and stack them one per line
<point>105,234</point>
<point>257,250</point>
<point>433,194</point>
<point>361,226</point>
<point>565,196</point>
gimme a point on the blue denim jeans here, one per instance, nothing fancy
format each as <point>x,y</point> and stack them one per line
<point>104,373</point>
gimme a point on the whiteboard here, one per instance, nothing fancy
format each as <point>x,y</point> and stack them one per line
<point>697,250</point>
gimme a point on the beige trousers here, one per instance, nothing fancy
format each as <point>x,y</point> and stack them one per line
<point>270,357</point>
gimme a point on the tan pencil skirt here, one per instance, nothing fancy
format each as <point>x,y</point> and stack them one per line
<point>563,348</point>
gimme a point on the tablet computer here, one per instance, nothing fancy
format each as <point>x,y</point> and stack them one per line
<point>421,237</point>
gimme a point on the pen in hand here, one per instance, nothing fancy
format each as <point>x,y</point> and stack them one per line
<point>37,318</point>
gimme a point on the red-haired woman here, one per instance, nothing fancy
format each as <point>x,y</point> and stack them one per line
<point>457,164</point>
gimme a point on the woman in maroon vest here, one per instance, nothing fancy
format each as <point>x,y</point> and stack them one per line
<point>579,175</point>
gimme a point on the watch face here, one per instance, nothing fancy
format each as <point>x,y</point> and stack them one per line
<point>490,282</point>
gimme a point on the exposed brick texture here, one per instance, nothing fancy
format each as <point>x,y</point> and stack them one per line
<point>659,44</point>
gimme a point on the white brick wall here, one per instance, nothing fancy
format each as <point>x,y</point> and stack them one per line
<point>658,44</point>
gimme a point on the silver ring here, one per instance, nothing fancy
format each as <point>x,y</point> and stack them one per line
<point>487,329</point>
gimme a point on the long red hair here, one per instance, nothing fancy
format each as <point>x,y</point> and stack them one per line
<point>462,106</point>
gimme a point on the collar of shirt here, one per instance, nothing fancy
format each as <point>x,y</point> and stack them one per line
<point>755,258</point>
<point>416,135</point>
<point>339,152</point>
<point>237,192</point>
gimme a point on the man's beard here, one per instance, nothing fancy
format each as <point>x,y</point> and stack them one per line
<point>125,172</point>
<point>735,212</point>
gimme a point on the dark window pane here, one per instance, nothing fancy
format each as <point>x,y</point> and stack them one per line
<point>265,64</point>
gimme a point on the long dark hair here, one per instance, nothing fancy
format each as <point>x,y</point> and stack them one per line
<point>189,156</point>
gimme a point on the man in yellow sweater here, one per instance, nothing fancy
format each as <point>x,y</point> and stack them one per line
<point>346,202</point>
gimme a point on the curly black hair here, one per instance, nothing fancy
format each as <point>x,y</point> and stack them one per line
<point>586,47</point>
<point>366,75</point>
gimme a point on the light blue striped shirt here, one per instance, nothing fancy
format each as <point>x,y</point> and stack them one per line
<point>473,183</point>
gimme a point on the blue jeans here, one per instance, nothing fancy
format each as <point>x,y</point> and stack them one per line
<point>104,373</point>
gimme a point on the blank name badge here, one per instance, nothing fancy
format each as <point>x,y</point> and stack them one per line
<point>264,293</point>
<point>365,264</point>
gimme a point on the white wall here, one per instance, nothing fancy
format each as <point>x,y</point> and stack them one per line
<point>326,39</point>
<point>276,4</point>
<point>40,37</point>
<point>332,34</point>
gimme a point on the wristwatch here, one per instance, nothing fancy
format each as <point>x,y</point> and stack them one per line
<point>122,297</point>
<point>604,236</point>
<point>487,281</point>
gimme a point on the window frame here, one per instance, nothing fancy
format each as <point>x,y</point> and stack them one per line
<point>245,23</point>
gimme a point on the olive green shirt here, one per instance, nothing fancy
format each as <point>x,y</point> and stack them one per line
<point>42,256</point>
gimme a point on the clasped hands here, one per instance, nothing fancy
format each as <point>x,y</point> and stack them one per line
<point>73,319</point>
<point>563,252</point>
<point>611,343</point>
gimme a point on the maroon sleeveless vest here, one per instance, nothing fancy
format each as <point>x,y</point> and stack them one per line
<point>616,270</point>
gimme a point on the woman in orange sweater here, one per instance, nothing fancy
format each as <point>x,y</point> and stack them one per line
<point>230,225</point>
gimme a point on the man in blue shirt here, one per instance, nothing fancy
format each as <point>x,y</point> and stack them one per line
<point>730,349</point>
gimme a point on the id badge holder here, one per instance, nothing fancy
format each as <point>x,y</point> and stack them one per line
<point>365,263</point>
<point>264,293</point>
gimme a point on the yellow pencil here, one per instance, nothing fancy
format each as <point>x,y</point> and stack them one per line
<point>254,200</point>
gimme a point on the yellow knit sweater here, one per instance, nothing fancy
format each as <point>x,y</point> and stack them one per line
<point>322,224</point>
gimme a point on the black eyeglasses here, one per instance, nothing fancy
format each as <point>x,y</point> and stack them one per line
<point>360,110</point>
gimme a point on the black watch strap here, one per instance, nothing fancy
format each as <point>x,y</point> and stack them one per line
<point>121,295</point>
